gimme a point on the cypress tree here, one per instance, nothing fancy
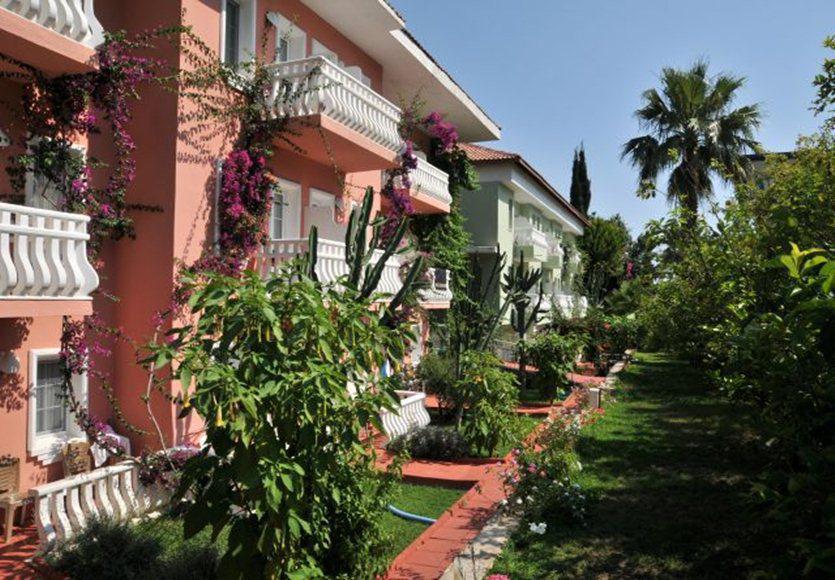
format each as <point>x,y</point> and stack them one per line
<point>576,196</point>
<point>585,182</point>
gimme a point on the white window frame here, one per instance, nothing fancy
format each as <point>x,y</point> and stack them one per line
<point>286,29</point>
<point>247,33</point>
<point>319,49</point>
<point>292,211</point>
<point>47,447</point>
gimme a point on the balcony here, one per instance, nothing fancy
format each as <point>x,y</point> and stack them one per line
<point>531,240</point>
<point>56,36</point>
<point>555,254</point>
<point>439,292</point>
<point>430,188</point>
<point>331,264</point>
<point>322,99</point>
<point>44,269</point>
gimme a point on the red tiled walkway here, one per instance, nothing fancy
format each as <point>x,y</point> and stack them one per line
<point>435,549</point>
<point>14,555</point>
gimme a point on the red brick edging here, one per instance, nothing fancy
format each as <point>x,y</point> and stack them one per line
<point>436,548</point>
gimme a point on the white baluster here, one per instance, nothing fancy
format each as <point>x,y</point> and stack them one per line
<point>75,512</point>
<point>128,493</point>
<point>43,521</point>
<point>105,507</point>
<point>42,278</point>
<point>26,274</point>
<point>120,509</point>
<point>87,499</point>
<point>58,514</point>
<point>89,276</point>
<point>8,272</point>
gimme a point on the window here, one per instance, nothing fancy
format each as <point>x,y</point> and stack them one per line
<point>232,32</point>
<point>290,40</point>
<point>51,411</point>
<point>319,49</point>
<point>276,227</point>
<point>43,193</point>
<point>51,424</point>
<point>237,31</point>
<point>285,217</point>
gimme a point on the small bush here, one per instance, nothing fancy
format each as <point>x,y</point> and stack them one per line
<point>553,354</point>
<point>107,549</point>
<point>437,375</point>
<point>489,395</point>
<point>431,442</point>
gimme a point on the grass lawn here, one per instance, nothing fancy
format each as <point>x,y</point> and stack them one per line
<point>422,500</point>
<point>669,469</point>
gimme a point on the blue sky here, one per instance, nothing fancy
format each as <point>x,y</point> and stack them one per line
<point>554,73</point>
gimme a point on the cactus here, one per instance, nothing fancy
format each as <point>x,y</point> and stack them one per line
<point>363,275</point>
<point>517,283</point>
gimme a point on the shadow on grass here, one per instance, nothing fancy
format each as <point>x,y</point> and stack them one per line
<point>670,468</point>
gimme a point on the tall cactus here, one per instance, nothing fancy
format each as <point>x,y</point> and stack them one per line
<point>363,273</point>
<point>518,282</point>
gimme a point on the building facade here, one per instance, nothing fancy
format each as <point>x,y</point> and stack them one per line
<point>518,214</point>
<point>345,138</point>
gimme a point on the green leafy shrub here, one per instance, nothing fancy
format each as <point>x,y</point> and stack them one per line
<point>271,363</point>
<point>489,395</point>
<point>721,298</point>
<point>437,375</point>
<point>431,442</point>
<point>553,354</point>
<point>106,550</point>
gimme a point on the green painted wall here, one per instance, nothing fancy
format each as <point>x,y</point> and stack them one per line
<point>489,219</point>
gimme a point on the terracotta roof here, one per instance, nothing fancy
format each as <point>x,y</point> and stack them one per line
<point>481,154</point>
<point>477,153</point>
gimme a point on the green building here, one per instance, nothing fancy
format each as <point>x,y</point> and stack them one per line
<point>518,213</point>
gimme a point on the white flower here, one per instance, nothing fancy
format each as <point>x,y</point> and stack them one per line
<point>504,502</point>
<point>529,499</point>
<point>579,466</point>
<point>519,501</point>
<point>538,528</point>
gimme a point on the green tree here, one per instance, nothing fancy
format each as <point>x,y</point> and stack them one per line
<point>284,374</point>
<point>605,245</point>
<point>580,182</point>
<point>694,133</point>
<point>825,84</point>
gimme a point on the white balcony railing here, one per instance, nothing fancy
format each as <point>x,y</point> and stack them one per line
<point>43,255</point>
<point>330,264</point>
<point>333,92</point>
<point>411,415</point>
<point>428,179</point>
<point>439,289</point>
<point>75,19</point>
<point>527,235</point>
<point>64,507</point>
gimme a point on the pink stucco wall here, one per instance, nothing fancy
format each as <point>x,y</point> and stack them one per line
<point>177,175</point>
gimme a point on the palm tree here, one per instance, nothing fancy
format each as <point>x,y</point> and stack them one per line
<point>694,132</point>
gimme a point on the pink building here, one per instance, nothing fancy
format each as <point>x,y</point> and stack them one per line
<point>349,138</point>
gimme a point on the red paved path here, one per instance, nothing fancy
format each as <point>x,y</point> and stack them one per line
<point>13,555</point>
<point>434,550</point>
